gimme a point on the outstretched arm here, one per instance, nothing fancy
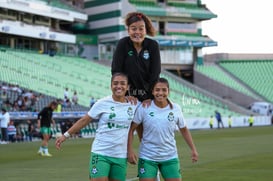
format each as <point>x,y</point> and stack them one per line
<point>74,129</point>
<point>188,138</point>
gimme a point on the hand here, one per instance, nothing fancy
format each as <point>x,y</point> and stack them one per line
<point>132,99</point>
<point>146,103</point>
<point>132,158</point>
<point>59,141</point>
<point>194,156</point>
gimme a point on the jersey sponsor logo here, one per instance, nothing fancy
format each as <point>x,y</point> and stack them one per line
<point>112,114</point>
<point>111,125</point>
<point>152,114</point>
<point>114,125</point>
<point>130,53</point>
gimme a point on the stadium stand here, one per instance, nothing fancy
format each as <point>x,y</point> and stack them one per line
<point>255,74</point>
<point>50,75</point>
<point>212,70</point>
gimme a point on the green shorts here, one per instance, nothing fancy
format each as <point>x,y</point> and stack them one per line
<point>168,169</point>
<point>45,130</point>
<point>105,166</point>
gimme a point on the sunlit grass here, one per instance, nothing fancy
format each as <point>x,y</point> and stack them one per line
<point>236,154</point>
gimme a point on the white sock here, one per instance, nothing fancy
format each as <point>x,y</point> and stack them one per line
<point>41,149</point>
<point>45,150</point>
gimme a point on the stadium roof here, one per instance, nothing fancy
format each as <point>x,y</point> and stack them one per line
<point>198,13</point>
<point>195,41</point>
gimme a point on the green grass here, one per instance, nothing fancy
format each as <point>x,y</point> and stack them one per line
<point>236,154</point>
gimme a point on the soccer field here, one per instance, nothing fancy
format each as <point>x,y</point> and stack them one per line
<point>235,154</point>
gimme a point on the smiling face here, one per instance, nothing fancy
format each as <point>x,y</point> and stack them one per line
<point>137,31</point>
<point>160,93</point>
<point>119,86</point>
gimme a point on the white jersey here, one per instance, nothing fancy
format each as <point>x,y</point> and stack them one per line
<point>159,126</point>
<point>114,122</point>
<point>4,120</point>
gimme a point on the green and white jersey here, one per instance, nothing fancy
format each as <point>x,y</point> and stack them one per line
<point>114,122</point>
<point>159,126</point>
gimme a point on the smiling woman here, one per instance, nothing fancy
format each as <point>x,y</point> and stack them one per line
<point>158,151</point>
<point>108,160</point>
<point>138,56</point>
<point>119,86</point>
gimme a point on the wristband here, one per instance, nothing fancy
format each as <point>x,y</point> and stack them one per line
<point>67,135</point>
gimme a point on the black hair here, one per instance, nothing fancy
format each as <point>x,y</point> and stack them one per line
<point>119,74</point>
<point>52,103</point>
<point>165,81</point>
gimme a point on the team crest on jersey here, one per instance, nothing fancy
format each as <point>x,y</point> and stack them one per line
<point>171,116</point>
<point>146,55</point>
<point>130,111</point>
